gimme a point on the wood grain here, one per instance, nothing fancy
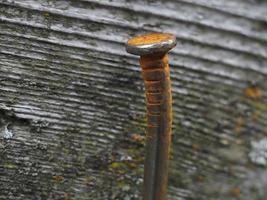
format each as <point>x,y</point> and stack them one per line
<point>74,99</point>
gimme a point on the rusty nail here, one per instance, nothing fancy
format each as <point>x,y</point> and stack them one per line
<point>152,49</point>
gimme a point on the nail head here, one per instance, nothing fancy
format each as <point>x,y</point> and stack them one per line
<point>151,43</point>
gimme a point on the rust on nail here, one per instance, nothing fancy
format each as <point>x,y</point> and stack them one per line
<point>152,49</point>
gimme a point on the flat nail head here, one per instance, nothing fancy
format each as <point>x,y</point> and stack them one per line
<point>151,43</point>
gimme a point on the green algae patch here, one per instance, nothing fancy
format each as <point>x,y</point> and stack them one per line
<point>10,166</point>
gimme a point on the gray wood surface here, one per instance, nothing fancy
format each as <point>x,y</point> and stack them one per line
<point>72,111</point>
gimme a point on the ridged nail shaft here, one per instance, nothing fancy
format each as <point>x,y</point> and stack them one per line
<point>153,49</point>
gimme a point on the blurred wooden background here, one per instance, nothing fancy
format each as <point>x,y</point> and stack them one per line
<point>72,111</point>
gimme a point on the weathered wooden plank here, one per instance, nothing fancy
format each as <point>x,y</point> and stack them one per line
<point>71,98</point>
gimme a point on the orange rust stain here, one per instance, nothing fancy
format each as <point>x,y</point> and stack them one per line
<point>150,38</point>
<point>138,139</point>
<point>253,92</point>
<point>58,179</point>
<point>66,196</point>
<point>152,61</point>
<point>235,191</point>
<point>195,147</point>
<point>46,14</point>
<point>147,63</point>
<point>239,124</point>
